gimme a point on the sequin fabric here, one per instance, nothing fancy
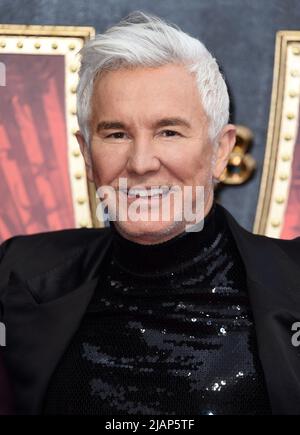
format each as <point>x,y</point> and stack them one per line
<point>168,331</point>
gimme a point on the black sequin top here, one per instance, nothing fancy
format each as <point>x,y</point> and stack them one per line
<point>169,331</point>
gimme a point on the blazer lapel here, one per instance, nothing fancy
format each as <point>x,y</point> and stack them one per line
<point>273,284</point>
<point>38,331</point>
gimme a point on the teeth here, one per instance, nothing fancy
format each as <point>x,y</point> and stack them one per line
<point>154,191</point>
<point>144,192</point>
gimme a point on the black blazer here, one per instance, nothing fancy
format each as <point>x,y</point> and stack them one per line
<point>48,279</point>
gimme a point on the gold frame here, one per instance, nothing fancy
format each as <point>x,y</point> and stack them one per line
<point>281,138</point>
<point>65,40</point>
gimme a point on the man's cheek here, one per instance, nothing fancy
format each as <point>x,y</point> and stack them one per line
<point>103,173</point>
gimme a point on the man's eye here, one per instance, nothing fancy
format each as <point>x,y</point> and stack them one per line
<point>118,135</point>
<point>170,133</point>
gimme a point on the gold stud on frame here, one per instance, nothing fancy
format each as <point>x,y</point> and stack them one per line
<point>295,73</point>
<point>78,175</point>
<point>283,177</point>
<point>83,224</point>
<point>285,157</point>
<point>76,153</point>
<point>73,68</point>
<point>275,223</point>
<point>296,50</point>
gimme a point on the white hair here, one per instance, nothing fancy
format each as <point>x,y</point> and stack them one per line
<point>145,40</point>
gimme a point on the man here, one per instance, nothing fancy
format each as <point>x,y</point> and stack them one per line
<point>160,313</point>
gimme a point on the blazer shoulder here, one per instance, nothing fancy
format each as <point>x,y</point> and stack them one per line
<point>31,254</point>
<point>57,240</point>
<point>290,247</point>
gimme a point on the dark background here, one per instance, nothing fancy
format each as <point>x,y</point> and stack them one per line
<point>239,33</point>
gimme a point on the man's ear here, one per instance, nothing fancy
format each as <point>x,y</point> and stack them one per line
<point>86,152</point>
<point>226,142</point>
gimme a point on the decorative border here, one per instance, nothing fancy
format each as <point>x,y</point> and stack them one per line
<point>66,41</point>
<point>282,135</point>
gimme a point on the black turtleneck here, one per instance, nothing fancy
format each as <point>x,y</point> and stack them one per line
<point>168,331</point>
<point>162,258</point>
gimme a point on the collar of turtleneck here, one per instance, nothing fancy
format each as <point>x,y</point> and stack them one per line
<point>184,249</point>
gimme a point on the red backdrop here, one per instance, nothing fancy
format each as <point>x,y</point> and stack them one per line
<point>34,181</point>
<point>291,226</point>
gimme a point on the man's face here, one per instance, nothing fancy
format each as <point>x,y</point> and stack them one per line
<point>148,126</point>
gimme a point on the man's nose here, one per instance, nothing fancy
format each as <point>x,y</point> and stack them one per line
<point>143,157</point>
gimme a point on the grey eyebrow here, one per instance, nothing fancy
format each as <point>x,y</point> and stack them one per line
<point>110,125</point>
<point>164,122</point>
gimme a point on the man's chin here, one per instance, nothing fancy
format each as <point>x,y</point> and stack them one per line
<point>147,232</point>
